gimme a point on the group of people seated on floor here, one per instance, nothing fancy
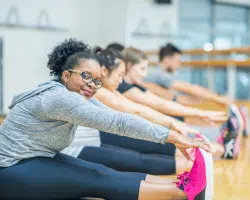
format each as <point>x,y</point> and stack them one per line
<point>137,113</point>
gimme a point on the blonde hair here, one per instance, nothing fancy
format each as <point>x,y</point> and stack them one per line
<point>133,55</point>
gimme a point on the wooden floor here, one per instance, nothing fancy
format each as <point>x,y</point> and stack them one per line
<point>232,177</point>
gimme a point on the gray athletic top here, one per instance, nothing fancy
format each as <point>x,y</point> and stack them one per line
<point>43,122</point>
<point>158,76</point>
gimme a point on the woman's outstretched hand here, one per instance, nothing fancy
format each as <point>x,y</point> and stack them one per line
<point>183,142</point>
<point>214,116</point>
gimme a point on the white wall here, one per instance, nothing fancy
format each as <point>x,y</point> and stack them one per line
<point>96,22</point>
<point>112,21</point>
<point>155,16</point>
<point>25,51</point>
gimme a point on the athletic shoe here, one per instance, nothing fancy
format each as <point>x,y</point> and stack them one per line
<point>198,183</point>
<point>230,139</point>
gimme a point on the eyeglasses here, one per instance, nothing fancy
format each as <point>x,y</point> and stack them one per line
<point>87,78</point>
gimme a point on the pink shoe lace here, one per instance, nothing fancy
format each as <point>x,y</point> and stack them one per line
<point>182,176</point>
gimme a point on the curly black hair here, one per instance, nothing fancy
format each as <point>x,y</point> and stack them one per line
<point>67,55</point>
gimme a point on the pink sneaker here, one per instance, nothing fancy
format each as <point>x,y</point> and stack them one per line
<point>230,139</point>
<point>198,183</point>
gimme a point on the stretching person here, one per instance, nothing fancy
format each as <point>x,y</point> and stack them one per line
<point>113,70</point>
<point>137,70</point>
<point>43,121</point>
<point>136,66</point>
<point>164,77</point>
<point>131,88</point>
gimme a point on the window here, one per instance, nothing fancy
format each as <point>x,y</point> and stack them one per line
<point>195,15</point>
<point>223,25</point>
<point>230,25</point>
<point>242,83</point>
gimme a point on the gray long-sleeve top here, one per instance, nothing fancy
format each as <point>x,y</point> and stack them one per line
<point>43,122</point>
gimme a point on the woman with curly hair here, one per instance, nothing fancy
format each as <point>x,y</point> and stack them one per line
<point>42,122</point>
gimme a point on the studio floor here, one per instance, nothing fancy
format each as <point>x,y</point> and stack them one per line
<point>232,177</point>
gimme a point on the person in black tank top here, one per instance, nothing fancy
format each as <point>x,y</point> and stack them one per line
<point>124,86</point>
<point>134,144</point>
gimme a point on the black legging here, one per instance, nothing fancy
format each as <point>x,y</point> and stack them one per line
<point>128,160</point>
<point>141,146</point>
<point>65,177</point>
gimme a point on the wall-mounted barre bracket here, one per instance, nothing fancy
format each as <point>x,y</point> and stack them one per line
<point>13,12</point>
<point>34,27</point>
